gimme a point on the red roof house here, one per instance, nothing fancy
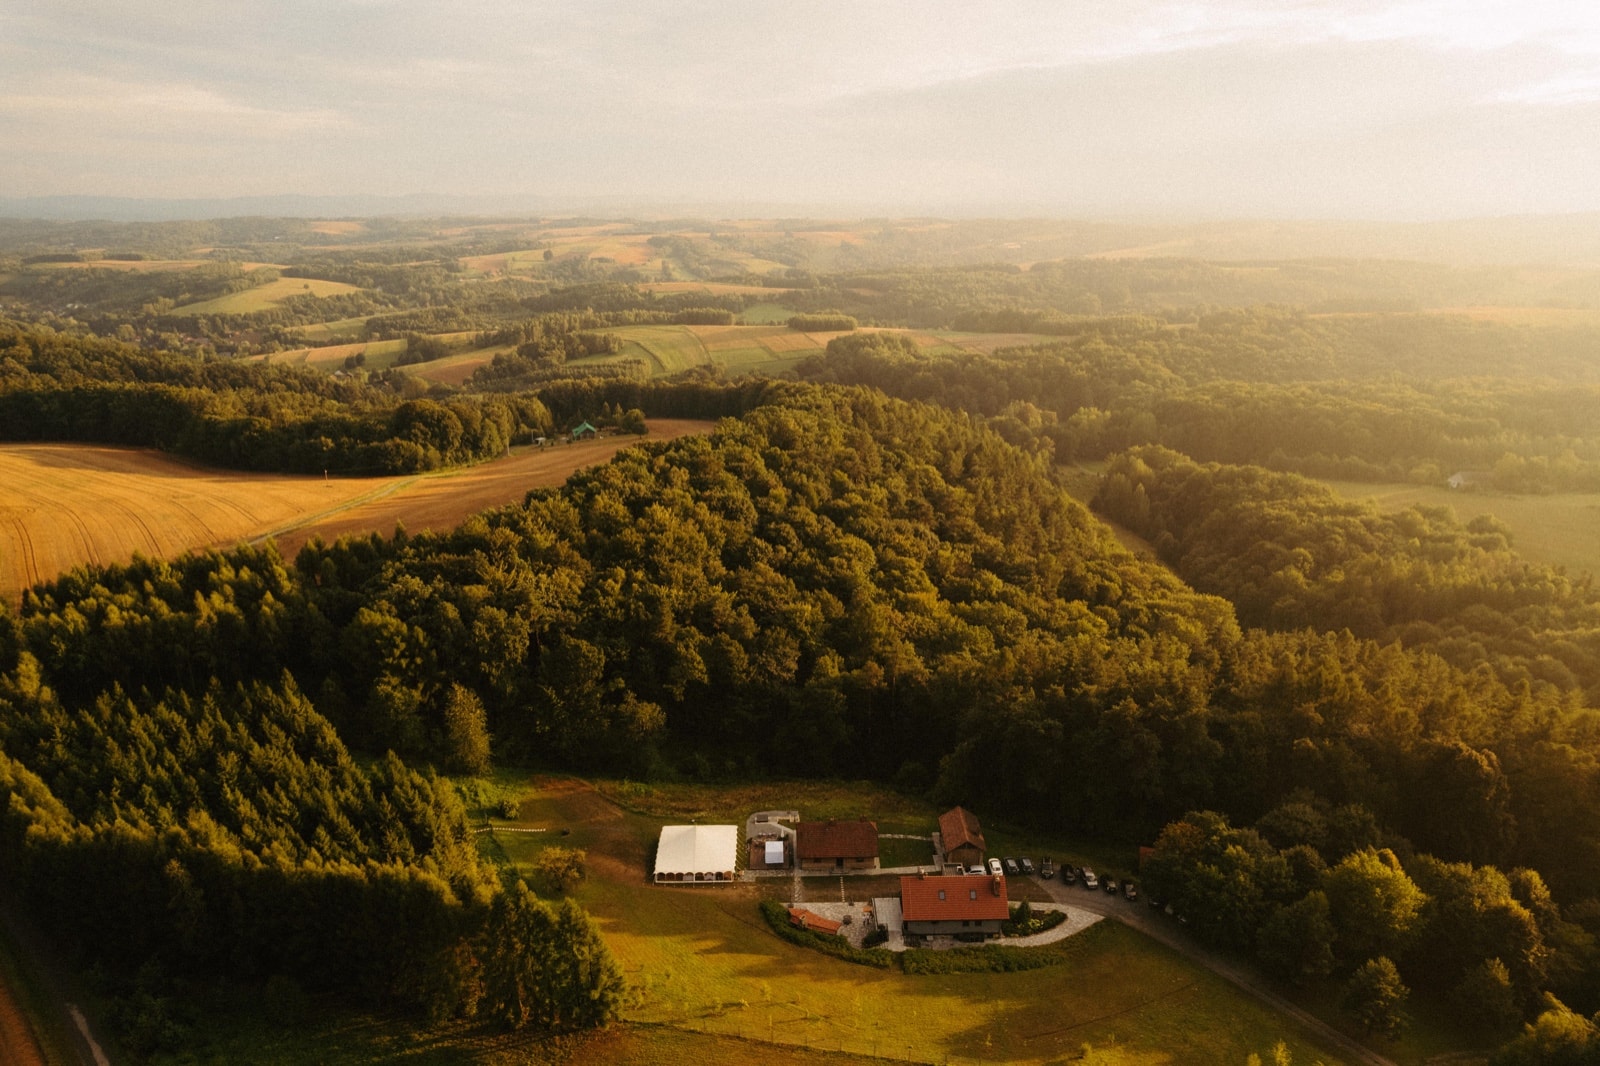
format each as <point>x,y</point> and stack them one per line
<point>954,906</point>
<point>834,845</point>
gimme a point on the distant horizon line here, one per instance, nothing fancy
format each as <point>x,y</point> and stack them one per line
<point>95,207</point>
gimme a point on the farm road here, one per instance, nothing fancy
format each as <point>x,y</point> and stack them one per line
<point>1165,929</point>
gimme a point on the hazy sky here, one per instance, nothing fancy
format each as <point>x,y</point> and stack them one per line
<point>1269,108</point>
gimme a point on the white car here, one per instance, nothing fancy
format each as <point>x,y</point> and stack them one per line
<point>994,867</point>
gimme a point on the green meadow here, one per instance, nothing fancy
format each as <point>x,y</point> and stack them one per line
<point>1561,529</point>
<point>265,297</point>
<point>704,962</point>
<point>764,345</point>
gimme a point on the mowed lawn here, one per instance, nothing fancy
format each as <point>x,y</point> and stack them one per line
<point>1558,530</point>
<point>704,962</point>
<point>265,297</point>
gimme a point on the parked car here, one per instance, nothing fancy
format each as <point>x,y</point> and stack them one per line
<point>1027,865</point>
<point>1069,874</point>
<point>1090,881</point>
<point>955,869</point>
<point>1012,869</point>
<point>1130,891</point>
<point>994,867</point>
<point>1109,885</point>
<point>1047,869</point>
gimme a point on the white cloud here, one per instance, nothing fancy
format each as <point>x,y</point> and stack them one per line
<point>169,107</point>
<point>1029,99</point>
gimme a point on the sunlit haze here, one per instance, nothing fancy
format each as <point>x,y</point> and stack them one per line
<point>1341,110</point>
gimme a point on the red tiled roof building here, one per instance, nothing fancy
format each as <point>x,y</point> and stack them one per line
<point>835,845</point>
<point>961,836</point>
<point>953,906</point>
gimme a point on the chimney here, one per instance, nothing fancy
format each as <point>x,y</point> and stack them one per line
<point>994,884</point>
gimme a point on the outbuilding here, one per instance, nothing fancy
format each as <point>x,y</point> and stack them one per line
<point>696,853</point>
<point>961,836</point>
<point>769,853</point>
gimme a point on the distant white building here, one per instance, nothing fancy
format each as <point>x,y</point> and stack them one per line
<point>696,853</point>
<point>1466,479</point>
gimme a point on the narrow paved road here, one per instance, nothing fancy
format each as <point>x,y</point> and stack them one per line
<point>58,986</point>
<point>1165,929</point>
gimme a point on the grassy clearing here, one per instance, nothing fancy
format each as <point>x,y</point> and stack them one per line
<point>766,314</point>
<point>265,297</point>
<point>718,987</point>
<point>666,349</point>
<point>381,355</point>
<point>235,1033</point>
<point>714,288</point>
<point>765,345</point>
<point>133,266</point>
<point>343,330</point>
<point>892,852</point>
<point>456,369</point>
<point>706,963</point>
<point>1559,530</point>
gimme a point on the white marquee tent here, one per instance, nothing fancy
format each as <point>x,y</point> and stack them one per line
<point>696,853</point>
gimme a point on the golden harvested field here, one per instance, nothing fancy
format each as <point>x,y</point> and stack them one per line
<point>64,505</point>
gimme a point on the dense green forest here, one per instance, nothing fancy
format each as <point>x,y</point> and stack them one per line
<point>1364,744</point>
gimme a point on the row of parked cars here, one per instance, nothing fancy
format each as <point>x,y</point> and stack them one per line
<point>1024,867</point>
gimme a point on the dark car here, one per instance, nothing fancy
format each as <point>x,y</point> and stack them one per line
<point>1047,869</point>
<point>1069,874</point>
<point>1027,865</point>
<point>1130,891</point>
<point>1012,869</point>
